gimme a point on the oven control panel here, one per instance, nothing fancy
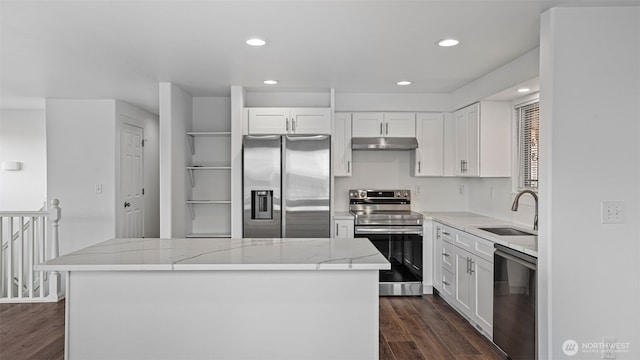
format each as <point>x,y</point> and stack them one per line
<point>380,194</point>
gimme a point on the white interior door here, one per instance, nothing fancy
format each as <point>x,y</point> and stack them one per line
<point>131,205</point>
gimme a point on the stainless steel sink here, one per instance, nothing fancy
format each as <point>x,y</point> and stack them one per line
<point>507,231</point>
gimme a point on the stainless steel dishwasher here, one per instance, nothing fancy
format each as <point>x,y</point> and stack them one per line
<point>514,303</point>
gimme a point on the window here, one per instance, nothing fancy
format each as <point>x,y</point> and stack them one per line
<point>528,125</point>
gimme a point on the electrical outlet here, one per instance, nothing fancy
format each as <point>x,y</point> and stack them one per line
<point>461,189</point>
<point>98,188</point>
<point>608,348</point>
<point>613,212</point>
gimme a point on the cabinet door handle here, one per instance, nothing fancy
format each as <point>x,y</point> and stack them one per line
<point>445,282</point>
<point>386,128</point>
<point>471,265</point>
<point>445,233</point>
<point>286,124</point>
<point>419,170</point>
<point>445,254</point>
<point>380,129</point>
<point>336,230</point>
<point>348,166</point>
<point>293,125</point>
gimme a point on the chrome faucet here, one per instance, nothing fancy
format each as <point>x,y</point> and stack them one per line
<point>514,207</point>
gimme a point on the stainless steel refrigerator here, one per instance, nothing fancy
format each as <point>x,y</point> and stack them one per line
<point>286,184</point>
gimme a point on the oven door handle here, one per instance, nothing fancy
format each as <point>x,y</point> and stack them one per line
<point>387,230</point>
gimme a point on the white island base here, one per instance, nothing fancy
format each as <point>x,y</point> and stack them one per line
<point>223,315</point>
<point>222,299</point>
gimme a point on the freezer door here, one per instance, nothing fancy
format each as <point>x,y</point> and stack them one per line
<point>306,185</point>
<point>261,168</point>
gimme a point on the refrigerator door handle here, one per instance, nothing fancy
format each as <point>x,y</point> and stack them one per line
<point>283,181</point>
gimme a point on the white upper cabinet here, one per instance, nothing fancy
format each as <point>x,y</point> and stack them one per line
<point>483,140</point>
<point>400,124</point>
<point>376,124</point>
<point>368,124</point>
<point>467,133</point>
<point>342,145</point>
<point>289,121</point>
<point>429,156</point>
<point>310,120</point>
<point>268,120</point>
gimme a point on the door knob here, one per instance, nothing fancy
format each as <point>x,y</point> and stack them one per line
<point>127,204</point>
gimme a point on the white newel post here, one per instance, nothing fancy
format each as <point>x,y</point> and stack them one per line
<point>54,276</point>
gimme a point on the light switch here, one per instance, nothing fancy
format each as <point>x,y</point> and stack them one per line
<point>98,188</point>
<point>613,212</point>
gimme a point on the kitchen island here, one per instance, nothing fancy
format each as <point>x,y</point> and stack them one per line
<point>222,299</point>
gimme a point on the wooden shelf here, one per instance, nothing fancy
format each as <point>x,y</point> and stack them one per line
<point>191,169</point>
<point>192,134</point>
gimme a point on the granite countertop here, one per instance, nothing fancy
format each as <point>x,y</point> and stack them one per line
<point>221,254</point>
<point>471,223</point>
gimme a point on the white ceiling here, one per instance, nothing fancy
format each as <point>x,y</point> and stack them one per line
<point>122,49</point>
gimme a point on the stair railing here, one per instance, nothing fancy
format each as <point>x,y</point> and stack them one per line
<point>25,243</point>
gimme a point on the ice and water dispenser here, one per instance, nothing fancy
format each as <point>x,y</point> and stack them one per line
<point>262,204</point>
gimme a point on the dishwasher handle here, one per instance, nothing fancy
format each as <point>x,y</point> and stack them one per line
<point>522,262</point>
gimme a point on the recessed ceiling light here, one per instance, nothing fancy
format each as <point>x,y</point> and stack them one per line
<point>448,42</point>
<point>404,82</point>
<point>256,42</point>
<point>270,82</point>
<point>523,90</point>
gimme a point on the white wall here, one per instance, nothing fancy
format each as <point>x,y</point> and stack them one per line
<point>392,102</point>
<point>237,110</point>
<point>81,153</point>
<point>590,132</point>
<point>130,114</point>
<point>523,68</point>
<point>23,139</point>
<point>176,107</point>
<point>391,170</point>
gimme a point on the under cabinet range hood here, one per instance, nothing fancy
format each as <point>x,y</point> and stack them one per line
<point>384,143</point>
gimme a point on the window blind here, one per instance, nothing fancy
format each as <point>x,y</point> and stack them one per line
<point>529,144</point>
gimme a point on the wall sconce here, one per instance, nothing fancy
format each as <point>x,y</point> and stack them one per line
<point>11,165</point>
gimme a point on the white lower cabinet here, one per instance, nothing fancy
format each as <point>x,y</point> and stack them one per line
<point>465,275</point>
<point>482,289</point>
<point>343,228</point>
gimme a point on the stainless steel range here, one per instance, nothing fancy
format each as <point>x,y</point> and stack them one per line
<point>386,219</point>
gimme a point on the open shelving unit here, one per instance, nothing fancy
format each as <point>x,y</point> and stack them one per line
<point>209,170</point>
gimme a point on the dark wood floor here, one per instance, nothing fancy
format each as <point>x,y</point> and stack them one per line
<point>32,331</point>
<point>410,328</point>
<point>428,328</point>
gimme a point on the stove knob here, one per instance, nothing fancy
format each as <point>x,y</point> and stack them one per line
<point>363,194</point>
<point>406,194</point>
<point>397,193</point>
